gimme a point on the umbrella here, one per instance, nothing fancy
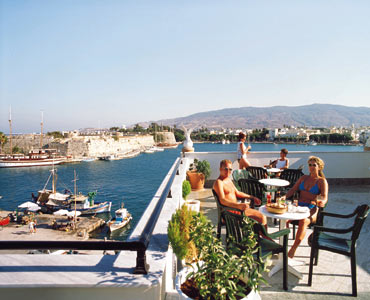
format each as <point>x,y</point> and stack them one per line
<point>61,212</point>
<point>28,205</point>
<point>34,208</point>
<point>72,213</point>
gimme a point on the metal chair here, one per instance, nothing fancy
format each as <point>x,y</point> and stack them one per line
<point>239,174</point>
<point>344,246</point>
<point>266,246</point>
<point>257,172</point>
<point>221,209</point>
<point>292,175</point>
<point>252,187</point>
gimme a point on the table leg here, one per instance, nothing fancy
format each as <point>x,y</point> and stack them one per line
<point>291,262</point>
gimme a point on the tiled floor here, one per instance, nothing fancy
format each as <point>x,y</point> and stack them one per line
<point>331,279</point>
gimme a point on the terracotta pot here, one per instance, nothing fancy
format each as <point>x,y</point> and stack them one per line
<point>196,180</point>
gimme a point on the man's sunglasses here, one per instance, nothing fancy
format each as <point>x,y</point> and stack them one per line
<point>228,169</point>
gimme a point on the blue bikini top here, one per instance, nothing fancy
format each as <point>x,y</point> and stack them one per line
<point>314,190</point>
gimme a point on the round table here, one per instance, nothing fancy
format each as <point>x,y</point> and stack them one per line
<point>273,170</point>
<point>283,218</point>
<point>275,182</point>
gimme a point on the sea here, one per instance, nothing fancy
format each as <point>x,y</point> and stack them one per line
<point>132,181</point>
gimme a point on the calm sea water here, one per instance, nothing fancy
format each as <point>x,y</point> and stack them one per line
<point>133,181</point>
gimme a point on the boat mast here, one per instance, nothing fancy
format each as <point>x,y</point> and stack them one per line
<point>75,191</point>
<point>10,130</point>
<point>42,124</point>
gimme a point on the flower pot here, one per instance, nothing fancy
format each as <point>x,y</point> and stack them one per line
<point>193,205</point>
<point>196,180</point>
<point>181,278</point>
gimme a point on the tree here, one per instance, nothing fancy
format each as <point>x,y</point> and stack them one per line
<point>55,134</point>
<point>3,141</point>
<point>138,128</point>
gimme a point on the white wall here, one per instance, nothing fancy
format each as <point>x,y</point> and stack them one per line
<point>337,164</point>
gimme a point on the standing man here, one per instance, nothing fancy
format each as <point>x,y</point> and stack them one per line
<point>228,194</point>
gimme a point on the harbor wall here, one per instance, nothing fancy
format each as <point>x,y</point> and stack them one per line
<point>90,146</point>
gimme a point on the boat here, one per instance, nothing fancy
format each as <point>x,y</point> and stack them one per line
<point>5,221</point>
<point>121,219</point>
<point>88,159</point>
<point>149,151</point>
<point>312,143</point>
<point>87,206</point>
<point>39,157</point>
<point>36,157</point>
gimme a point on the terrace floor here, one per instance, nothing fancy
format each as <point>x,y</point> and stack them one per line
<point>332,275</point>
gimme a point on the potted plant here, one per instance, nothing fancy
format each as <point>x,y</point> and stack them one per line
<point>178,232</point>
<point>221,273</point>
<point>192,204</point>
<point>198,173</point>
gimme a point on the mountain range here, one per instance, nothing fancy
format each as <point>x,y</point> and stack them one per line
<point>314,115</point>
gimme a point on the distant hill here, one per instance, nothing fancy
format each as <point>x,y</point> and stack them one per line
<point>314,115</point>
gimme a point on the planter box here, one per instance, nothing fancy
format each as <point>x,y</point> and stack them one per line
<point>181,277</point>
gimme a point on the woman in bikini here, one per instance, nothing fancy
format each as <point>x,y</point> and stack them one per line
<point>242,151</point>
<point>310,187</point>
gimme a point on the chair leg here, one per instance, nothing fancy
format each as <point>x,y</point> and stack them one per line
<point>218,230</point>
<point>316,257</point>
<point>353,271</point>
<point>313,252</point>
<point>293,231</point>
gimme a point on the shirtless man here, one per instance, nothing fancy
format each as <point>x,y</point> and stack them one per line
<point>228,193</point>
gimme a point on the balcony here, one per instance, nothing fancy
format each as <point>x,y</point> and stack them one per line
<point>112,276</point>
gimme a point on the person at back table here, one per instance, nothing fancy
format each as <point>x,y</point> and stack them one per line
<point>281,163</point>
<point>242,151</point>
<point>313,193</point>
<point>228,194</point>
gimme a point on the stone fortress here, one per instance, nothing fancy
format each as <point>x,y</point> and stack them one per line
<point>79,146</point>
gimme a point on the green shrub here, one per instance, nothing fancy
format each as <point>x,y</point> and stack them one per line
<point>186,189</point>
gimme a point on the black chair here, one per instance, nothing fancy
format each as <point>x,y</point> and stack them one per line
<point>239,174</point>
<point>257,172</point>
<point>319,221</point>
<point>344,246</point>
<point>292,175</point>
<point>266,247</point>
<point>221,209</point>
<point>253,188</point>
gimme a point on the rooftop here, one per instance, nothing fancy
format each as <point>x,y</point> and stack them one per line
<point>332,275</point>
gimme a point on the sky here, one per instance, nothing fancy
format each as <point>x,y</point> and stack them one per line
<point>87,63</point>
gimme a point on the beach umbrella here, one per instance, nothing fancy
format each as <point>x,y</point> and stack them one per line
<point>28,205</point>
<point>72,213</point>
<point>61,212</point>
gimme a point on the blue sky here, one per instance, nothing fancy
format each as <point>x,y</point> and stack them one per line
<point>88,63</point>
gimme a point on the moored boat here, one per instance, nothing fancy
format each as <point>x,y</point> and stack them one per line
<point>34,158</point>
<point>87,206</point>
<point>121,219</point>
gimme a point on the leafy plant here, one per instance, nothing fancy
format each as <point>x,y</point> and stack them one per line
<point>220,271</point>
<point>186,189</point>
<point>178,232</point>
<point>201,166</point>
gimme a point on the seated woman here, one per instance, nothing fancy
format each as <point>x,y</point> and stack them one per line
<point>242,152</point>
<point>281,163</point>
<point>313,193</point>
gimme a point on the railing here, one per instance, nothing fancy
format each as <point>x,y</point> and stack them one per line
<point>139,245</point>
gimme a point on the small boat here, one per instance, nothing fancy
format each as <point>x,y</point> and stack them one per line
<point>149,151</point>
<point>87,206</point>
<point>312,143</point>
<point>88,159</point>
<point>5,221</point>
<point>122,218</point>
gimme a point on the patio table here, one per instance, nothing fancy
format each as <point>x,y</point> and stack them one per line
<point>283,218</point>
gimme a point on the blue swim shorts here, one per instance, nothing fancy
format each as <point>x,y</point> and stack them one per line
<point>310,206</point>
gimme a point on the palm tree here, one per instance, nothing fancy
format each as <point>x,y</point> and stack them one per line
<point>3,140</point>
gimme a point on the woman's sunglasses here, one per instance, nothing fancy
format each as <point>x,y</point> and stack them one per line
<point>312,165</point>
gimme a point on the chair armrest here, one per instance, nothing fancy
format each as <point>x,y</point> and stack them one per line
<point>333,230</point>
<point>329,214</point>
<point>279,233</point>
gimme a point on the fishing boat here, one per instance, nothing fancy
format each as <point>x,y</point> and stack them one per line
<point>121,219</point>
<point>87,206</point>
